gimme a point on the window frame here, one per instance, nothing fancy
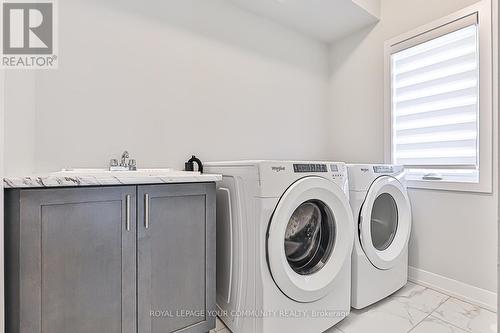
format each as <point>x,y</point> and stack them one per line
<point>485,124</point>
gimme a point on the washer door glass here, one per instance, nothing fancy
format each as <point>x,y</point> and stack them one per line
<point>384,221</point>
<point>309,237</point>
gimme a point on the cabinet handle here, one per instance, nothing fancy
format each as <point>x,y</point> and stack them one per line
<point>146,211</point>
<point>127,214</point>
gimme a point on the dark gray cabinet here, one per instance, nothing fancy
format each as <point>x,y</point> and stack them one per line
<point>174,235</point>
<point>117,259</point>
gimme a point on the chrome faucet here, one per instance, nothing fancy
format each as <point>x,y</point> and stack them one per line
<point>123,165</point>
<point>125,155</point>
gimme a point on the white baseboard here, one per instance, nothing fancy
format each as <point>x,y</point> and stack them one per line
<point>465,292</point>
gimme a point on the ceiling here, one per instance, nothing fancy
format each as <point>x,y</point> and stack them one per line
<point>326,20</point>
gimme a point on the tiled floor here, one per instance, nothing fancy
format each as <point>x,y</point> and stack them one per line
<point>414,309</point>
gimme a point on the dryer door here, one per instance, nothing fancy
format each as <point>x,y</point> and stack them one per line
<point>385,222</point>
<point>310,238</point>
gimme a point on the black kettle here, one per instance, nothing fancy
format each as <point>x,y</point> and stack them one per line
<point>189,165</point>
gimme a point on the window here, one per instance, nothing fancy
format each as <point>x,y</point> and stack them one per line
<point>439,103</point>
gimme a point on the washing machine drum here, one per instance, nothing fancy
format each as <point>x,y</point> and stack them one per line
<point>310,238</point>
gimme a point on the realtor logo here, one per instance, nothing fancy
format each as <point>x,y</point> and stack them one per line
<point>28,38</point>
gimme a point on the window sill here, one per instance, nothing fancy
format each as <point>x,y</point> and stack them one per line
<point>443,185</point>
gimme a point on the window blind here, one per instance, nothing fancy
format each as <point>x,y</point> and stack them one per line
<point>435,102</point>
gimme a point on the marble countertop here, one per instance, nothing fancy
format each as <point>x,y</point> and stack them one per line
<point>96,177</point>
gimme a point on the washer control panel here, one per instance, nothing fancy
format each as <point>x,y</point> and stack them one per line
<point>309,168</point>
<point>336,171</point>
<point>319,168</point>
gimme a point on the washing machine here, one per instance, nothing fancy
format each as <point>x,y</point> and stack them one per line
<point>382,213</point>
<point>285,234</point>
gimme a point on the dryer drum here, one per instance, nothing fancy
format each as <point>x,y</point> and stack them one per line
<point>309,237</point>
<point>384,221</point>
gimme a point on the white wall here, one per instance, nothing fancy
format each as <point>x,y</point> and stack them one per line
<point>20,128</point>
<point>454,234</point>
<point>165,80</point>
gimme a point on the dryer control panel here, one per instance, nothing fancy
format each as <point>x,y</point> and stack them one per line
<point>387,169</point>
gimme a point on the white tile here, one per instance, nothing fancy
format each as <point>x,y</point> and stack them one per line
<point>467,316</point>
<point>333,330</point>
<point>435,325</point>
<point>418,297</point>
<point>219,325</point>
<point>388,316</point>
<point>398,313</point>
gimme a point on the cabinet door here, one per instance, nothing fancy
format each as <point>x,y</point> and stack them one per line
<point>78,260</point>
<point>176,258</point>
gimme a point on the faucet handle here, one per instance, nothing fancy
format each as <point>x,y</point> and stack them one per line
<point>113,162</point>
<point>132,164</point>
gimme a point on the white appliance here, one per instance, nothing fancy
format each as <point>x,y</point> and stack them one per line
<point>285,233</point>
<point>382,211</point>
